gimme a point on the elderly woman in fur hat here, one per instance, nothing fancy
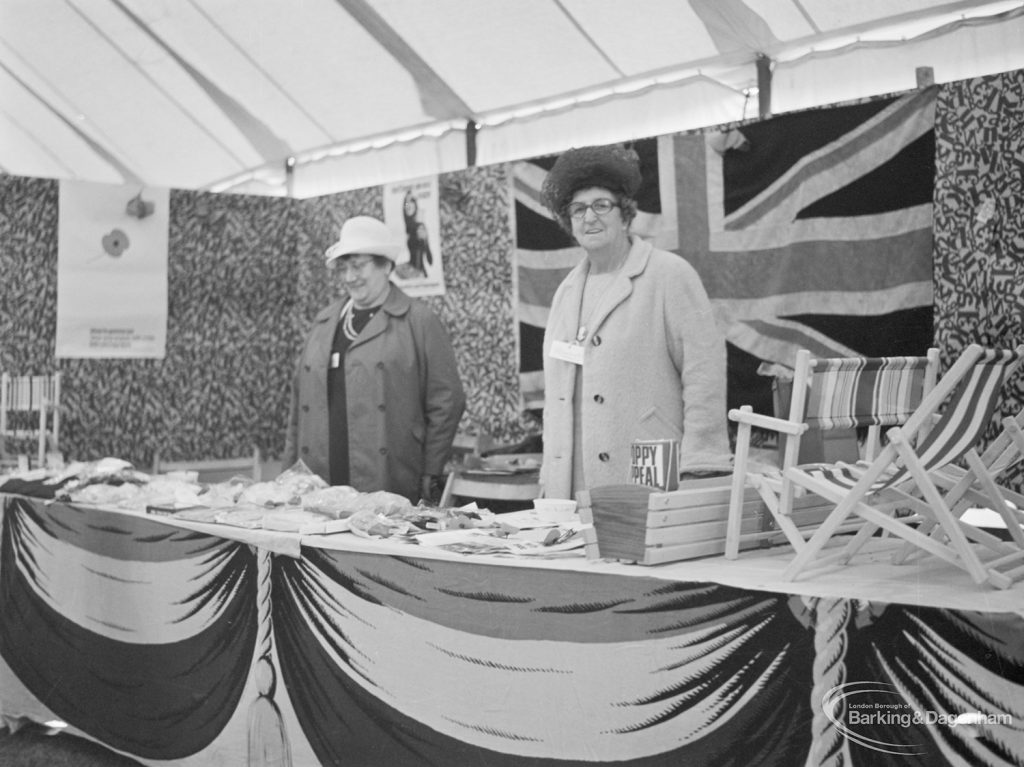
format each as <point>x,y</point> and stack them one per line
<point>631,349</point>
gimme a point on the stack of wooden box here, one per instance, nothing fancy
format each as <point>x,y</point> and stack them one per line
<point>643,525</point>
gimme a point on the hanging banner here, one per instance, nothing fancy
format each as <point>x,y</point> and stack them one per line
<point>411,211</point>
<point>111,271</point>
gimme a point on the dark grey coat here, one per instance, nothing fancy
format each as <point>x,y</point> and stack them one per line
<point>404,395</point>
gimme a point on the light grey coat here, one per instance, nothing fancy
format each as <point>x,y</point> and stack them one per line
<point>654,368</point>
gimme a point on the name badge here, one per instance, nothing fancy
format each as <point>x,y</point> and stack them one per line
<point>567,352</point>
<point>335,360</point>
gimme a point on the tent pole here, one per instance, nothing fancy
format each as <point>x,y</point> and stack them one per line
<point>471,130</point>
<point>764,86</point>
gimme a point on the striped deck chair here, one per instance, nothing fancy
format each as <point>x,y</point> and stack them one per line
<point>977,486</point>
<point>828,393</point>
<point>943,430</point>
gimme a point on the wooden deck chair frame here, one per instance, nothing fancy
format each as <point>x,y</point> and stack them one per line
<point>945,428</point>
<point>977,485</point>
<point>38,394</point>
<point>244,466</point>
<point>827,393</point>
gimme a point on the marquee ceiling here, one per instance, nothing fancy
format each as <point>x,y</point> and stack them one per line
<point>306,97</point>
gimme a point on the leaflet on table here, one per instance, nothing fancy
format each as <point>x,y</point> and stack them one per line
<point>289,520</point>
<point>539,541</point>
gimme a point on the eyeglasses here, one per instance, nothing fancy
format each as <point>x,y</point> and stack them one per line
<point>346,265</point>
<point>601,206</point>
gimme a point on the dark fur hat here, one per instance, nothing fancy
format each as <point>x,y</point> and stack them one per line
<point>613,167</point>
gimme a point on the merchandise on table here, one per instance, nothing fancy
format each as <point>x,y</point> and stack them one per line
<point>299,501</point>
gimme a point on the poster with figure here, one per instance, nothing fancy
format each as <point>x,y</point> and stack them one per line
<point>411,211</point>
<point>111,271</point>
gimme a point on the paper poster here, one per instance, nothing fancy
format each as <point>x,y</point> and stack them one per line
<point>411,211</point>
<point>111,271</point>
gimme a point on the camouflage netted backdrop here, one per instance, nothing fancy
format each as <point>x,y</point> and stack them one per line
<point>245,278</point>
<point>979,222</point>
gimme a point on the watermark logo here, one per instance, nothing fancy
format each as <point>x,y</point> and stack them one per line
<point>860,707</point>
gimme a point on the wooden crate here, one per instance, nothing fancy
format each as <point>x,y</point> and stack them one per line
<point>633,523</point>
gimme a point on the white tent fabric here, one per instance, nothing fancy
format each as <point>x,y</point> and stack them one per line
<point>308,97</point>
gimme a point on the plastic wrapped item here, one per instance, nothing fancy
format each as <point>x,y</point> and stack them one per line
<point>287,489</point>
<point>304,522</point>
<point>336,501</point>
<point>267,495</point>
<point>164,492</point>
<point>381,515</point>
<point>106,471</point>
<point>104,495</point>
<point>227,493</point>
<point>111,471</point>
<point>381,502</point>
<point>242,516</point>
<point>373,524</point>
<point>300,479</point>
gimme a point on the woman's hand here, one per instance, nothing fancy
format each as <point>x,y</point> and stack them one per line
<point>431,488</point>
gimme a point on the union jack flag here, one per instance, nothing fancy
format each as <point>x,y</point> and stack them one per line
<point>810,230</point>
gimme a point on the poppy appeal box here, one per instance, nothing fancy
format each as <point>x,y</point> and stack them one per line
<point>647,526</point>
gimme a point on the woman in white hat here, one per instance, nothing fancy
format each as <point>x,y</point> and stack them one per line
<point>377,397</point>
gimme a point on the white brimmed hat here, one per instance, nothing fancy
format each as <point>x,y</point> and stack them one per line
<point>364,234</point>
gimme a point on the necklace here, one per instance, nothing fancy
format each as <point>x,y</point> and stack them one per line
<point>348,325</point>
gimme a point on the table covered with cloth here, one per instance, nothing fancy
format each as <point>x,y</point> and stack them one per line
<point>193,644</point>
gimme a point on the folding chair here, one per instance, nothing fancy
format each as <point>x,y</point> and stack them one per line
<point>977,486</point>
<point>827,393</point>
<point>945,428</point>
<point>518,490</point>
<point>509,481</point>
<point>30,410</point>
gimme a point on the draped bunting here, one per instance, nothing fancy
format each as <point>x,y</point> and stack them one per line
<point>430,662</point>
<point>143,636</point>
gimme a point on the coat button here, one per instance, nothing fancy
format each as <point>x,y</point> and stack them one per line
<point>603,457</point>
<point>598,399</point>
<point>380,366</point>
<point>597,341</point>
<point>305,408</point>
<point>380,406</point>
<point>383,451</point>
<point>305,450</point>
<point>308,368</point>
